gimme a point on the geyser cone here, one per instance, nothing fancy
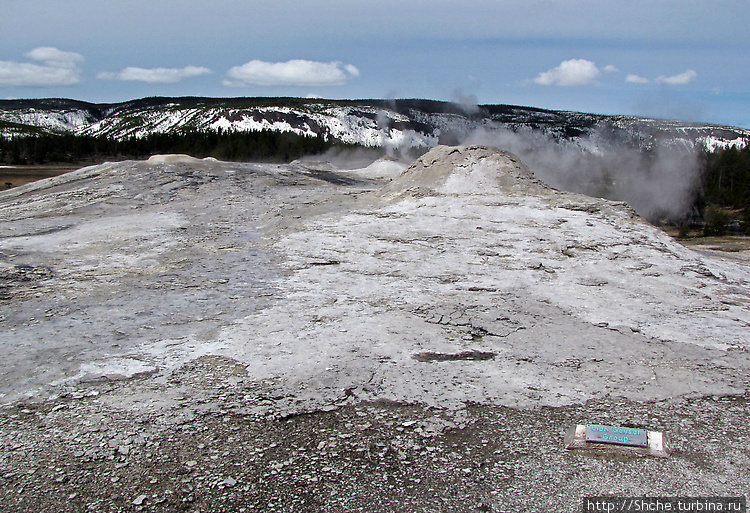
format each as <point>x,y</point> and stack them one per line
<point>466,170</point>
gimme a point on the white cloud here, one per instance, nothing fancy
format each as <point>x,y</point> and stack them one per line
<point>55,68</point>
<point>609,68</point>
<point>681,79</point>
<point>574,72</point>
<point>155,75</point>
<point>291,73</point>
<point>636,79</point>
<point>352,70</point>
<point>53,57</point>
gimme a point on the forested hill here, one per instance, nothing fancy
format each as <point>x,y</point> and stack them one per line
<point>399,124</point>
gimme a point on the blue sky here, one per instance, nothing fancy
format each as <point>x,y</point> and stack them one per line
<point>686,59</point>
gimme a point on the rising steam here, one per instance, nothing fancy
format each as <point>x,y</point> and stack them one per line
<point>659,184</point>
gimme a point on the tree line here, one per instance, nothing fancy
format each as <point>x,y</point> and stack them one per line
<point>264,145</point>
<point>724,195</point>
<point>726,191</point>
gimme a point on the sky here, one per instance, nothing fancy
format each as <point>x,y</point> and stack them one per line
<point>675,59</point>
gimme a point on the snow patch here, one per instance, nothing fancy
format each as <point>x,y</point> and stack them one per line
<point>713,143</point>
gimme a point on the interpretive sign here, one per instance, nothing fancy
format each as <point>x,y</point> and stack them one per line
<point>600,438</point>
<point>616,435</point>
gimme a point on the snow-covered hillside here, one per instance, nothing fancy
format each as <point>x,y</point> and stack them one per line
<point>391,124</point>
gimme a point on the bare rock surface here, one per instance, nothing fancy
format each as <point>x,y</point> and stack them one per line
<point>200,335</point>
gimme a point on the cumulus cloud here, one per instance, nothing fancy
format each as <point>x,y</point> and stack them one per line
<point>155,75</point>
<point>681,79</point>
<point>291,73</point>
<point>574,72</point>
<point>53,67</point>
<point>51,56</point>
<point>636,79</point>
<point>610,68</point>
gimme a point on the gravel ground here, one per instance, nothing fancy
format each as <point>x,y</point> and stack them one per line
<point>78,454</point>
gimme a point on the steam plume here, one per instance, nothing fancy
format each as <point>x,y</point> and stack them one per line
<point>659,184</point>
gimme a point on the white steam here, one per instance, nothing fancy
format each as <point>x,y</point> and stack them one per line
<point>659,184</point>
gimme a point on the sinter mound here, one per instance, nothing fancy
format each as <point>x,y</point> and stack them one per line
<point>465,170</point>
<point>221,336</point>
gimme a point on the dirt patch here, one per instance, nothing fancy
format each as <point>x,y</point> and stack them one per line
<point>736,247</point>
<point>452,357</point>
<point>21,175</point>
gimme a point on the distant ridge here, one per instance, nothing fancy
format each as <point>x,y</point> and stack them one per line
<point>401,123</point>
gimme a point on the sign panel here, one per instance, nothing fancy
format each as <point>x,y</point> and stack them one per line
<point>633,437</point>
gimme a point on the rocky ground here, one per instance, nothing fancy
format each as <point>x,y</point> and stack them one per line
<point>209,454</point>
<point>186,335</point>
<point>76,454</point>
